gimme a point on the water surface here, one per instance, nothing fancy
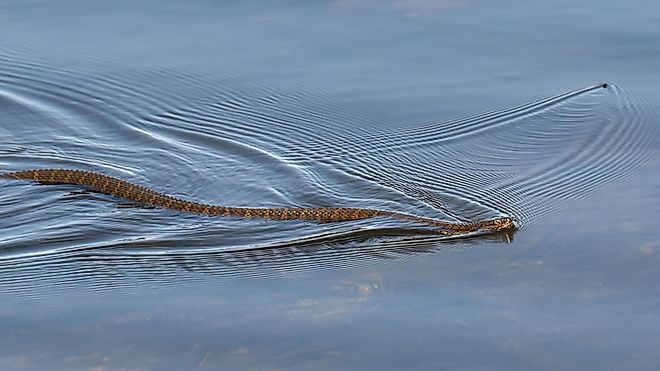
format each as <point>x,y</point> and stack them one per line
<point>456,110</point>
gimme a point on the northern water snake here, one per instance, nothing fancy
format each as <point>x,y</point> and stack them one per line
<point>143,195</point>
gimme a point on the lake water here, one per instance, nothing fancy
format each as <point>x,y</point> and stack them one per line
<point>457,110</point>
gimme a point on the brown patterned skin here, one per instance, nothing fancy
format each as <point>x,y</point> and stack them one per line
<point>142,195</point>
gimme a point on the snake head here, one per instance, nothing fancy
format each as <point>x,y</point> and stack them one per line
<point>498,224</point>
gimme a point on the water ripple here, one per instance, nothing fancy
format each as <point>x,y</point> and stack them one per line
<point>275,146</point>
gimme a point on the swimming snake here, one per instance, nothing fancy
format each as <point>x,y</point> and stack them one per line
<point>143,195</point>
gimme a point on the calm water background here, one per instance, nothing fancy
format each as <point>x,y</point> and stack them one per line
<point>268,105</point>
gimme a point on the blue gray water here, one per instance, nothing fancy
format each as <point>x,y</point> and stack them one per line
<point>459,110</point>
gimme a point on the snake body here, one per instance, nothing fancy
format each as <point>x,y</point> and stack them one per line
<point>146,196</point>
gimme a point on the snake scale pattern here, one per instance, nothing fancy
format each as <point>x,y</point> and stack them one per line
<point>146,196</point>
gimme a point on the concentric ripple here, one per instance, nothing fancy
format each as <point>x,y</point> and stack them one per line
<point>233,142</point>
<point>526,161</point>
